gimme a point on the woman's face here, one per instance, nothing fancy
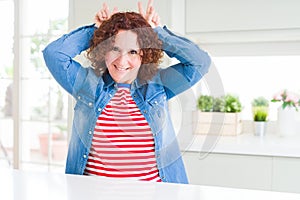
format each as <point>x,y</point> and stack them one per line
<point>124,60</point>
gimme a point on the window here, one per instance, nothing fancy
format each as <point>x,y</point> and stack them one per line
<point>6,79</point>
<point>43,103</point>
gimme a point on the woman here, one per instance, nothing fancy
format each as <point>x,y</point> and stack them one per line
<point>121,126</point>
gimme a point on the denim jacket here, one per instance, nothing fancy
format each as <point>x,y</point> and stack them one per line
<point>92,93</point>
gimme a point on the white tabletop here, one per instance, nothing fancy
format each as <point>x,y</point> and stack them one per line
<point>19,185</point>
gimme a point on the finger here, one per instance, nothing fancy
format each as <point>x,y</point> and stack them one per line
<point>115,10</point>
<point>151,13</point>
<point>104,6</point>
<point>156,19</point>
<point>105,10</point>
<point>97,20</point>
<point>141,10</point>
<point>99,15</point>
<point>103,15</point>
<point>149,5</point>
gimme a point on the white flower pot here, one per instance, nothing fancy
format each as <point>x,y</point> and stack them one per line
<point>260,128</point>
<point>288,122</point>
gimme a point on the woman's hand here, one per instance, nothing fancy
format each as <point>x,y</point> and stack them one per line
<point>151,15</point>
<point>103,14</point>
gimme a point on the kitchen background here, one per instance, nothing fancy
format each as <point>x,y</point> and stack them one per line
<point>255,48</point>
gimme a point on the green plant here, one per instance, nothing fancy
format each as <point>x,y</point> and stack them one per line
<point>205,103</point>
<point>227,103</point>
<point>37,44</point>
<point>9,71</point>
<point>260,101</point>
<point>260,113</point>
<point>260,109</point>
<point>232,103</point>
<point>62,131</point>
<point>40,40</point>
<point>219,104</point>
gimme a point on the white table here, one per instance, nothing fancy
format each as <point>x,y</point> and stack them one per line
<point>20,185</point>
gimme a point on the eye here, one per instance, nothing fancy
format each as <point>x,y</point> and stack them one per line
<point>133,52</point>
<point>116,49</point>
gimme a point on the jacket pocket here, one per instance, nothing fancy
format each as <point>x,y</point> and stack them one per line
<point>158,110</point>
<point>84,116</point>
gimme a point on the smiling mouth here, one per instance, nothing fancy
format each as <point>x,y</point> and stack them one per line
<point>121,68</point>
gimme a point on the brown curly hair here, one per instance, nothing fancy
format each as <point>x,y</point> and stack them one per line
<point>103,41</point>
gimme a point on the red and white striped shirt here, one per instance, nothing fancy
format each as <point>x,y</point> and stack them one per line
<point>123,144</point>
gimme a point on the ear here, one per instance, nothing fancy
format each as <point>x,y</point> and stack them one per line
<point>141,53</point>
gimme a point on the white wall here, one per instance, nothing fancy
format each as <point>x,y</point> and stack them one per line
<point>82,12</point>
<point>231,27</point>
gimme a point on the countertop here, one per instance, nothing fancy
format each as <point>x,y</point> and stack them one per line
<point>21,185</point>
<point>246,143</point>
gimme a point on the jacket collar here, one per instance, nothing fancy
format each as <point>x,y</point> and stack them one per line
<point>108,81</point>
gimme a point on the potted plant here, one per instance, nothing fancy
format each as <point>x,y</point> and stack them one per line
<point>288,112</point>
<point>218,115</point>
<point>205,103</point>
<point>58,143</point>
<point>232,104</point>
<point>219,104</point>
<point>260,111</point>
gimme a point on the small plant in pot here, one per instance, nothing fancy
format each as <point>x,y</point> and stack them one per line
<point>218,115</point>
<point>232,104</point>
<point>205,103</point>
<point>219,104</point>
<point>260,111</point>
<point>58,141</point>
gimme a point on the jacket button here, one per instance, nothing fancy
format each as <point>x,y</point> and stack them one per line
<point>90,104</point>
<point>90,132</point>
<point>145,111</point>
<point>79,97</point>
<point>84,156</point>
<point>99,109</point>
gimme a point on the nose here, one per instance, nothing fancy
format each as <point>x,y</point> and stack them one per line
<point>122,59</point>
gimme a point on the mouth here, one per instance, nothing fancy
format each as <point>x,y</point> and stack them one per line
<point>121,68</point>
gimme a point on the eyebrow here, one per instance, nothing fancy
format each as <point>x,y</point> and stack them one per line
<point>134,49</point>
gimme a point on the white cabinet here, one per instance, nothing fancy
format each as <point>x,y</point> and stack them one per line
<point>227,170</point>
<point>244,171</point>
<point>241,15</point>
<point>286,174</point>
<point>242,27</point>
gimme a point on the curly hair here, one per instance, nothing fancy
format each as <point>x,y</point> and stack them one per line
<point>149,43</point>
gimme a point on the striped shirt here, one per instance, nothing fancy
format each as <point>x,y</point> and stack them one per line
<point>123,144</point>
